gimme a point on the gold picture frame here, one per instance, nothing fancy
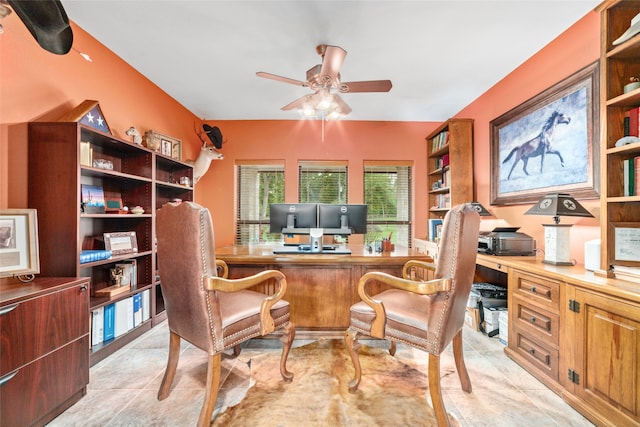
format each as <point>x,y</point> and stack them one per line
<point>164,144</point>
<point>121,243</point>
<point>19,253</point>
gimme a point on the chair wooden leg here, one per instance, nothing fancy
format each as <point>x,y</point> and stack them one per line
<point>458,356</point>
<point>172,364</point>
<point>237,349</point>
<point>392,348</point>
<point>436,393</point>
<point>351,340</point>
<point>211,392</point>
<point>287,339</point>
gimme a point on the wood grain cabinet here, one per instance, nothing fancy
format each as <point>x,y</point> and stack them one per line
<point>576,332</point>
<point>603,376</point>
<point>534,307</point>
<point>44,358</point>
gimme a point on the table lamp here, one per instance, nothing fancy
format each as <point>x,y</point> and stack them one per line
<point>556,235</point>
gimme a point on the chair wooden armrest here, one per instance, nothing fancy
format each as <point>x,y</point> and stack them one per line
<point>223,268</point>
<point>421,288</point>
<point>267,324</point>
<point>413,264</point>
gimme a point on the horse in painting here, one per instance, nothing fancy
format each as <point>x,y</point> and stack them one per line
<point>539,145</point>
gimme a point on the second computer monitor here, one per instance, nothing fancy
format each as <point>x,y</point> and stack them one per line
<point>338,218</point>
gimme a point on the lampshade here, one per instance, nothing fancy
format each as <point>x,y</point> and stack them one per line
<point>556,236</point>
<point>557,205</point>
<point>480,209</point>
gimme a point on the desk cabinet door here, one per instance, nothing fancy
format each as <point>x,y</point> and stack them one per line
<point>608,344</point>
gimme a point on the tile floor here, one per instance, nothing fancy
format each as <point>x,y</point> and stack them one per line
<point>123,387</point>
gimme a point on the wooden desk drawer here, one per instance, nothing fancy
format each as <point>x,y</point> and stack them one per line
<point>35,393</point>
<point>536,288</point>
<point>544,358</point>
<point>534,320</point>
<point>35,327</point>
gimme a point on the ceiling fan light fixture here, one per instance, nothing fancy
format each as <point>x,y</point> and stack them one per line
<point>322,79</point>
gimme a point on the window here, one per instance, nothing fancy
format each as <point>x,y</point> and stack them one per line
<point>322,182</point>
<point>387,192</point>
<point>258,187</point>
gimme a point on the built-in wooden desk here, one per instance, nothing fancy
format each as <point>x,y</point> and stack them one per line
<point>321,287</point>
<point>576,332</point>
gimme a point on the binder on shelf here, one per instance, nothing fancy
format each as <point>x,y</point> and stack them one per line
<point>109,322</point>
<point>97,326</point>
<point>146,305</point>
<point>124,316</point>
<point>137,309</point>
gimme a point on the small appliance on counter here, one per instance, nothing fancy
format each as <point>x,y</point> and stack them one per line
<point>506,241</point>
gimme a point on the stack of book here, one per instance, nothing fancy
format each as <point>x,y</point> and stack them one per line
<point>440,141</point>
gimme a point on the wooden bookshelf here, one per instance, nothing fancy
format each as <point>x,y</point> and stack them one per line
<point>59,167</point>
<point>449,166</point>
<point>618,63</point>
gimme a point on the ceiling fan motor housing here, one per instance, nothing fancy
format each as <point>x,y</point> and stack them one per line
<point>316,80</point>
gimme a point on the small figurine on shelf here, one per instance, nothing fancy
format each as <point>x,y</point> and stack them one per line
<point>117,274</point>
<point>133,132</point>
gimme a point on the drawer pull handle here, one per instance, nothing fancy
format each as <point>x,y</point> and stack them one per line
<point>532,319</point>
<point>8,377</point>
<point>532,350</point>
<point>533,289</point>
<point>7,309</point>
<point>83,288</point>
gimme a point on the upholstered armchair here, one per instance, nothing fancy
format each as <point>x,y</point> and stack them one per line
<point>427,315</point>
<point>211,312</point>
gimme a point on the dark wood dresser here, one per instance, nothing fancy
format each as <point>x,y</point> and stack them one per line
<point>44,348</point>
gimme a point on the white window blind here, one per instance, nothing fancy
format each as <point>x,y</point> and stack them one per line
<point>259,185</point>
<point>387,193</point>
<point>322,182</point>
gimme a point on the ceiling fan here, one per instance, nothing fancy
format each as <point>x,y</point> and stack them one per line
<point>324,80</point>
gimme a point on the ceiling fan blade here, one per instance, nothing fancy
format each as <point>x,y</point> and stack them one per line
<point>298,103</point>
<point>281,79</point>
<point>344,108</point>
<point>366,86</point>
<point>332,59</point>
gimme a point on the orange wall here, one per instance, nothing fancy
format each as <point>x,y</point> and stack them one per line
<point>37,85</point>
<point>577,47</point>
<point>291,141</point>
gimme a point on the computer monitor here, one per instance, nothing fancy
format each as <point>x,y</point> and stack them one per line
<point>342,218</point>
<point>295,218</point>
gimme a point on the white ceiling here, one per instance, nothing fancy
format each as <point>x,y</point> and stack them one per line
<point>440,55</point>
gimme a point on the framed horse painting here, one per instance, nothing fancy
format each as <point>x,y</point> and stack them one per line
<point>546,144</point>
